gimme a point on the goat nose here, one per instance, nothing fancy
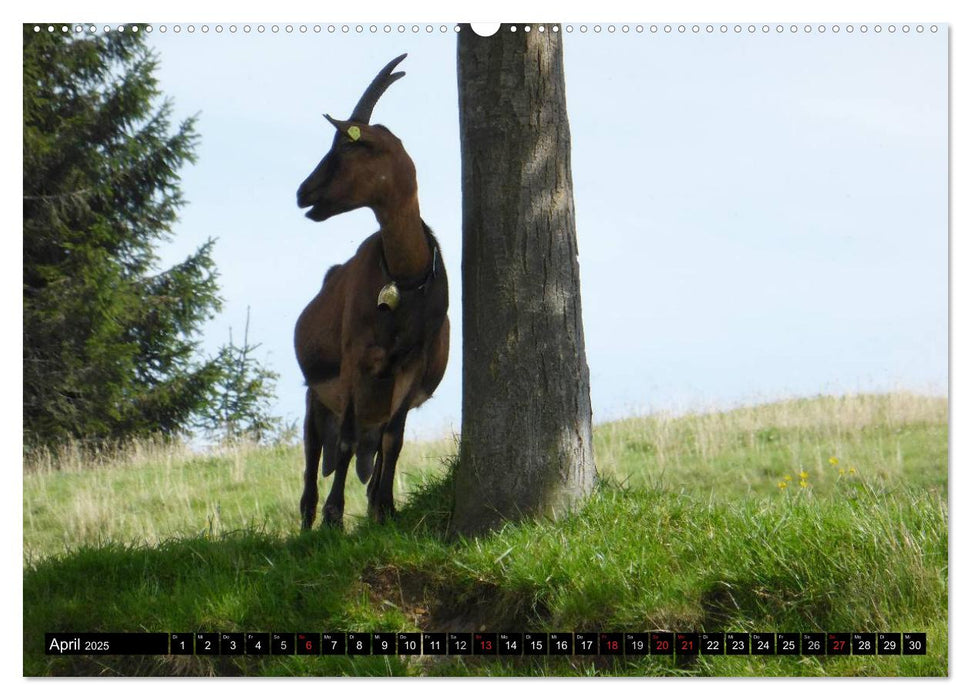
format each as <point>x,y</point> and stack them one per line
<point>302,193</point>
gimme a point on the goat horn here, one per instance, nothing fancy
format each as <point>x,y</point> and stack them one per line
<point>381,82</point>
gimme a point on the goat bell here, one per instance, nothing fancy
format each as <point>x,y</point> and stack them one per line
<point>389,296</point>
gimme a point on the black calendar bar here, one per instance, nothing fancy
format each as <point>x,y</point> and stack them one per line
<point>631,645</point>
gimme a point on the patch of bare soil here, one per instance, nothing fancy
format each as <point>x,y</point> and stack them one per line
<point>436,605</point>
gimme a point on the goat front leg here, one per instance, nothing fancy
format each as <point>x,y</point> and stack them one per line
<point>381,498</point>
<point>334,507</point>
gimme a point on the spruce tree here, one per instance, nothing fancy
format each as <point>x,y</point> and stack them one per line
<point>241,410</point>
<point>110,341</point>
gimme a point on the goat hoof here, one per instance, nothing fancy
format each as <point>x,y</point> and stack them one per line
<point>307,521</point>
<point>384,514</point>
<point>334,518</point>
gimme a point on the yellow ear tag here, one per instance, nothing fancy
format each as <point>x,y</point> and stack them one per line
<point>354,132</point>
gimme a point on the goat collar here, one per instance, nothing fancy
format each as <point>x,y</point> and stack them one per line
<point>410,284</point>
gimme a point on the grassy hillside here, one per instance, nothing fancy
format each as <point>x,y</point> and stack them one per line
<point>827,514</point>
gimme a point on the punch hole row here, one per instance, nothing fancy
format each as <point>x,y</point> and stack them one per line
<point>747,29</point>
<point>258,28</point>
<point>442,29</point>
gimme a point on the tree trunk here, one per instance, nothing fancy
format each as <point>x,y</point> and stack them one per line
<point>526,445</point>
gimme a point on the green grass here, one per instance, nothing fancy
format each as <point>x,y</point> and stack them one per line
<point>689,530</point>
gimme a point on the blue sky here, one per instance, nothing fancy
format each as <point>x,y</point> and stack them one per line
<point>759,215</point>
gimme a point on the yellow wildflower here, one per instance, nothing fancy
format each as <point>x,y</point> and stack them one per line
<point>804,483</point>
<point>852,470</point>
<point>788,478</point>
<point>783,484</point>
<point>803,475</point>
<point>842,471</point>
<point>834,461</point>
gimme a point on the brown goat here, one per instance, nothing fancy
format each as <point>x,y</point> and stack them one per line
<point>373,343</point>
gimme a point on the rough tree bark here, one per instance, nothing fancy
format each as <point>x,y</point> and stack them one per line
<point>526,446</point>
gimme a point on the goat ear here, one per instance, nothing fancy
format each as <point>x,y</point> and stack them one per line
<point>351,131</point>
<point>341,126</point>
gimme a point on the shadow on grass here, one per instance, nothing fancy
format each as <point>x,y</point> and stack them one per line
<point>248,580</point>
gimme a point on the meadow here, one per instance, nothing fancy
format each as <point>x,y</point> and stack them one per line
<point>821,514</point>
